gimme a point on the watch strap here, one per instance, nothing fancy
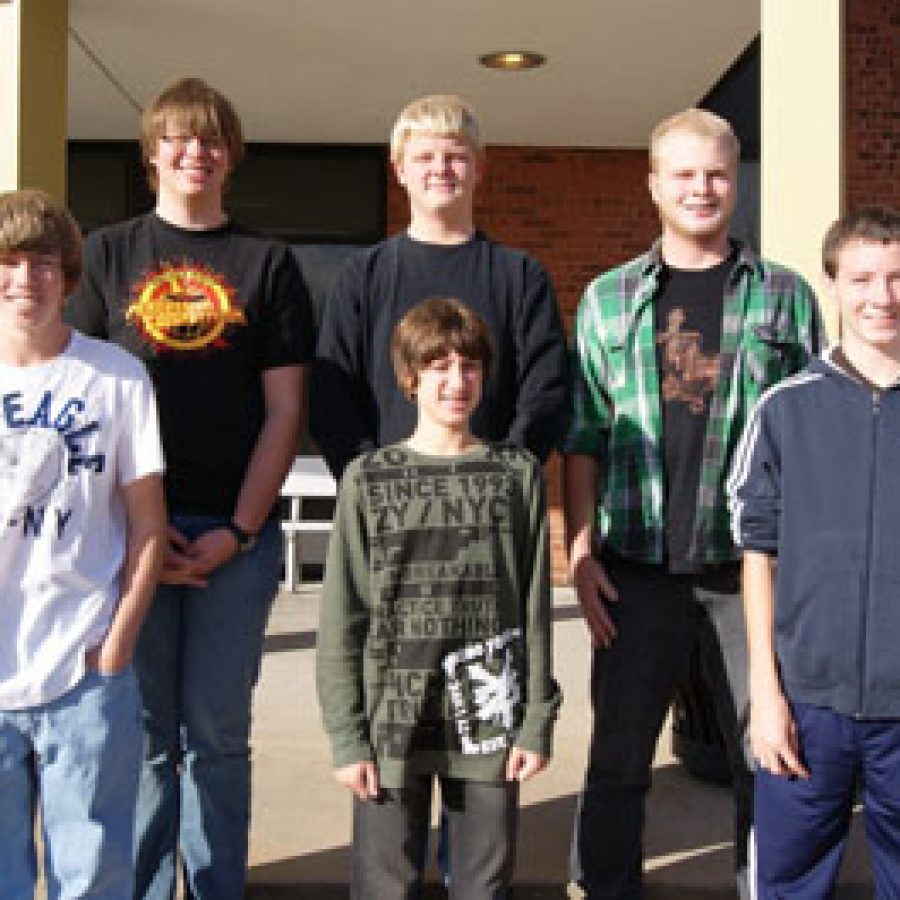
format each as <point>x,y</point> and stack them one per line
<point>244,538</point>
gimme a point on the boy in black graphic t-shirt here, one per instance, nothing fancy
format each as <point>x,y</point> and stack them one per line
<point>434,639</point>
<point>221,318</point>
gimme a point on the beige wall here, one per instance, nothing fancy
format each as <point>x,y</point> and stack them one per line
<point>802,130</point>
<point>33,76</point>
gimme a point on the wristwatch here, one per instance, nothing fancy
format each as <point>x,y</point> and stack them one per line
<point>245,539</point>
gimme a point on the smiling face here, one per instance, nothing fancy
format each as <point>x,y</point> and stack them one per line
<point>439,174</point>
<point>866,290</point>
<point>694,187</point>
<point>32,290</point>
<point>188,165</point>
<point>447,390</point>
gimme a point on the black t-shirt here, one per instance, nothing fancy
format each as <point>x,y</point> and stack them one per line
<point>208,312</point>
<point>356,404</point>
<point>688,321</point>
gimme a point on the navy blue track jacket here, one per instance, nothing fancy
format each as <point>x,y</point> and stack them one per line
<point>816,482</point>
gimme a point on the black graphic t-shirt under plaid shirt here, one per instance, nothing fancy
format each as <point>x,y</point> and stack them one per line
<point>770,328</point>
<point>434,635</point>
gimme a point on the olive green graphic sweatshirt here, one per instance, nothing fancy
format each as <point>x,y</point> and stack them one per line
<point>434,651</point>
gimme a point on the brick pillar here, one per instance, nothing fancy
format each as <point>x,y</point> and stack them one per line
<point>872,102</point>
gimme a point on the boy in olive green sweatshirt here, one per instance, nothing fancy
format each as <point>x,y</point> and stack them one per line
<point>434,639</point>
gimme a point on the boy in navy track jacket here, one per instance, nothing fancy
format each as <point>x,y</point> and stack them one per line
<point>816,486</point>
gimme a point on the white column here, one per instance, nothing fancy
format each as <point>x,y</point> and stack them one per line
<point>802,130</point>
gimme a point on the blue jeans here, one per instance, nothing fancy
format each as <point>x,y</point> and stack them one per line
<point>197,661</point>
<point>801,825</point>
<point>79,757</point>
<point>659,618</point>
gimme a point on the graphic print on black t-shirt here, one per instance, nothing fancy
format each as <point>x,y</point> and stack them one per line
<point>208,312</point>
<point>688,334</point>
<point>184,307</point>
<point>686,374</point>
<point>451,669</point>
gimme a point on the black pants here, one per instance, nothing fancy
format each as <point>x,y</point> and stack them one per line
<point>660,618</point>
<point>390,837</point>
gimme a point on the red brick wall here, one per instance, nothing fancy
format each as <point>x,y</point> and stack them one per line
<point>578,211</point>
<point>872,66</point>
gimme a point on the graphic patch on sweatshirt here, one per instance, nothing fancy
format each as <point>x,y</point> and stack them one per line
<point>485,693</point>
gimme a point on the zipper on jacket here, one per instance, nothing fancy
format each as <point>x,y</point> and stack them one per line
<point>870,553</point>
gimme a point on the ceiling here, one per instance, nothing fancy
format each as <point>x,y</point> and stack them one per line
<point>338,71</point>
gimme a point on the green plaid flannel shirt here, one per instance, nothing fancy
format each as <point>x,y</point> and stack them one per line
<point>770,328</point>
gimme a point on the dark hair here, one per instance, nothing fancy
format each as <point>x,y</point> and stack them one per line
<point>432,329</point>
<point>875,224</point>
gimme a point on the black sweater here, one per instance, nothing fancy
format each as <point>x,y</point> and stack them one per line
<point>356,404</point>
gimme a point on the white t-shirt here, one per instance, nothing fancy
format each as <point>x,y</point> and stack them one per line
<point>72,431</point>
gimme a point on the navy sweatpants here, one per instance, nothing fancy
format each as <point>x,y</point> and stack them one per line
<point>801,826</point>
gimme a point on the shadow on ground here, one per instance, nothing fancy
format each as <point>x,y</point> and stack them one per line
<point>301,819</point>
<point>520,892</point>
<point>688,852</point>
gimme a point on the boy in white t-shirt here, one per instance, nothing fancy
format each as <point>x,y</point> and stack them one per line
<point>82,528</point>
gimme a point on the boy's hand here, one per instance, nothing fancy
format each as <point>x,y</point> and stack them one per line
<point>190,562</point>
<point>773,735</point>
<point>211,549</point>
<point>593,589</point>
<point>359,777</point>
<point>522,764</point>
<point>178,567</point>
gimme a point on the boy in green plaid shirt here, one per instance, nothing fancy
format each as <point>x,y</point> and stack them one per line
<point>672,350</point>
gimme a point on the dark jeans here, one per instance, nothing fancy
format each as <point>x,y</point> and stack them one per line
<point>660,619</point>
<point>390,836</point>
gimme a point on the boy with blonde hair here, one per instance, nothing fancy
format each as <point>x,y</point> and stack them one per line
<point>672,350</point>
<point>434,639</point>
<point>437,154</point>
<point>435,114</point>
<point>81,545</point>
<point>702,124</point>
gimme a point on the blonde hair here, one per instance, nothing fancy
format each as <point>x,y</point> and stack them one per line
<point>699,122</point>
<point>196,108</point>
<point>443,114</point>
<point>32,221</point>
<point>431,330</point>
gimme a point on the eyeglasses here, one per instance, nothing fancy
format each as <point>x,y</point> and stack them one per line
<point>182,141</point>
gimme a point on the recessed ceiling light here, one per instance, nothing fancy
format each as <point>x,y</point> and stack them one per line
<point>512,60</point>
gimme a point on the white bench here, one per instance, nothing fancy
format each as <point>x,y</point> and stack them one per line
<point>308,477</point>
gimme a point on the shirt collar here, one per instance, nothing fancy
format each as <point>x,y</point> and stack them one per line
<point>747,258</point>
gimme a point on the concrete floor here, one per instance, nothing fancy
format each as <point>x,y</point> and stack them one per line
<point>301,818</point>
